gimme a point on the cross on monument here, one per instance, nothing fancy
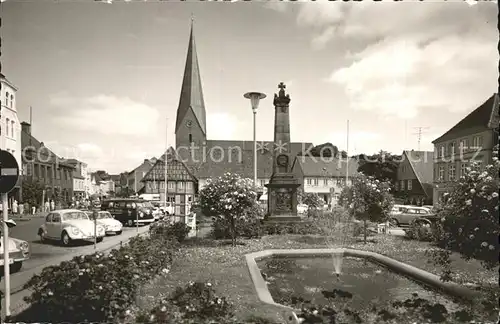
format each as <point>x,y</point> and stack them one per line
<point>282,86</point>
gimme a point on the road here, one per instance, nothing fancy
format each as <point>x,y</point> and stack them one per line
<point>45,254</point>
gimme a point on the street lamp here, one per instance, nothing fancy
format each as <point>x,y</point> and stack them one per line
<point>254,101</point>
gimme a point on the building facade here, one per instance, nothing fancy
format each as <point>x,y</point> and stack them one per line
<point>134,177</point>
<point>80,190</point>
<point>44,167</point>
<point>324,176</point>
<point>10,129</point>
<point>414,184</point>
<point>470,140</point>
<point>181,184</point>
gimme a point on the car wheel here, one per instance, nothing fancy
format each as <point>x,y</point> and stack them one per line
<point>16,267</point>
<point>41,234</point>
<point>393,222</point>
<point>130,223</point>
<point>118,233</point>
<point>99,239</point>
<point>65,239</point>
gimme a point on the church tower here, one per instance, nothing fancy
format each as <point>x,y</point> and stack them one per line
<point>191,123</point>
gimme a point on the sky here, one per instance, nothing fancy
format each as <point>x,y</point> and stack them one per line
<point>104,80</point>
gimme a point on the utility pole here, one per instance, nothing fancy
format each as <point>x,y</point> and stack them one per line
<point>347,151</point>
<point>420,131</point>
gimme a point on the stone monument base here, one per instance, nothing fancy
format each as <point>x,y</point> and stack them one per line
<point>282,198</point>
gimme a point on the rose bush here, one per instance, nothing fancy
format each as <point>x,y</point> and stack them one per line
<point>178,230</point>
<point>97,287</point>
<point>367,199</point>
<point>469,216</point>
<point>229,197</point>
<point>248,227</point>
<point>196,303</point>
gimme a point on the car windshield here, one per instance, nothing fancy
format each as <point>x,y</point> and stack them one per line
<point>75,215</point>
<point>104,215</point>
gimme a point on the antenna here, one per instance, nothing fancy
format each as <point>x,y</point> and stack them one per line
<point>420,131</point>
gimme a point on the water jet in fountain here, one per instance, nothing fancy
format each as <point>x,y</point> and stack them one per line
<point>337,262</point>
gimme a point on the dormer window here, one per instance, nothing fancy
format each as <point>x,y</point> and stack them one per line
<point>7,99</point>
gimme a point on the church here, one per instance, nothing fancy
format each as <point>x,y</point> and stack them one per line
<point>211,158</point>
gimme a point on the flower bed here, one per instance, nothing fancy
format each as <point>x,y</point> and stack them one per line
<point>226,269</point>
<point>97,287</point>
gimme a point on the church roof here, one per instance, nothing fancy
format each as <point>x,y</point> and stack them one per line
<point>240,161</point>
<point>483,117</point>
<point>325,167</point>
<point>191,91</point>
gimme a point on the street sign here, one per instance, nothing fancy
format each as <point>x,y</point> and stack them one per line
<point>9,171</point>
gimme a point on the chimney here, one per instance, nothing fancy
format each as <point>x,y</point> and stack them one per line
<point>26,127</point>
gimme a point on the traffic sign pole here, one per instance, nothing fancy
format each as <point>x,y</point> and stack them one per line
<point>9,174</point>
<point>5,243</point>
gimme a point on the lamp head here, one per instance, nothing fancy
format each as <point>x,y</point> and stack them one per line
<point>254,98</point>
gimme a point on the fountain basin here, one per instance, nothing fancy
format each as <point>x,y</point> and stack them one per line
<point>411,272</point>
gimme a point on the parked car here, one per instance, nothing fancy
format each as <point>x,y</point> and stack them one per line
<point>129,211</point>
<point>68,226</point>
<point>409,214</point>
<point>111,225</point>
<point>169,209</point>
<point>302,208</point>
<point>19,251</point>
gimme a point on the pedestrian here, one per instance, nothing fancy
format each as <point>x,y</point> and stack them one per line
<point>14,207</point>
<point>21,208</point>
<point>52,205</point>
<point>46,206</point>
<point>33,210</point>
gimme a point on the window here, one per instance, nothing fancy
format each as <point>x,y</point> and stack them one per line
<point>12,101</point>
<point>397,186</point>
<point>7,124</point>
<point>315,182</point>
<point>403,168</point>
<point>441,173</point>
<point>463,168</point>
<point>12,124</point>
<point>190,138</point>
<point>464,145</point>
<point>309,181</point>
<point>402,185</point>
<point>409,184</point>
<point>441,151</point>
<point>189,185</point>
<point>451,173</point>
<point>171,185</point>
<point>162,185</point>
<point>452,148</point>
<point>477,142</point>
<point>262,182</point>
<point>180,184</point>
<point>325,182</point>
<point>7,99</point>
<point>56,218</point>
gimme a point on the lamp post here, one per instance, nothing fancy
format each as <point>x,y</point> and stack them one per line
<point>254,100</point>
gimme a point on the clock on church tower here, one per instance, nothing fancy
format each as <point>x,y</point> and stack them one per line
<point>189,124</point>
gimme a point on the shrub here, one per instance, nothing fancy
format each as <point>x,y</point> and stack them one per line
<point>96,288</point>
<point>303,228</point>
<point>230,197</point>
<point>165,229</point>
<point>469,217</point>
<point>194,303</point>
<point>247,228</point>
<point>421,232</point>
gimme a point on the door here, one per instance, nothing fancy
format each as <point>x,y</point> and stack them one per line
<point>54,231</point>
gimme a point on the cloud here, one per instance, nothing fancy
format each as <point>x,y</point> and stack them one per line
<point>280,6</point>
<point>221,125</point>
<point>105,114</point>
<point>402,58</point>
<point>359,141</point>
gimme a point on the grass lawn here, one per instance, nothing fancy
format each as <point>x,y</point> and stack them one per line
<point>225,268</point>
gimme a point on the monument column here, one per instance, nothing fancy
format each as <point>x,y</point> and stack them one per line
<point>282,187</point>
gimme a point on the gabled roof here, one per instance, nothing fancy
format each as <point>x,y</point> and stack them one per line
<point>484,116</point>
<point>422,164</point>
<point>325,167</point>
<point>172,158</point>
<point>242,163</point>
<point>191,90</point>
<point>28,140</point>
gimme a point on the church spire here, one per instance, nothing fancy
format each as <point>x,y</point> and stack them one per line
<point>191,91</point>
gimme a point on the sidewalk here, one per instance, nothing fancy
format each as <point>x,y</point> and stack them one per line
<point>26,217</point>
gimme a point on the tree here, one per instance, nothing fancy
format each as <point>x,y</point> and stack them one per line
<point>33,192</point>
<point>228,197</point>
<point>382,166</point>
<point>469,217</point>
<point>367,199</point>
